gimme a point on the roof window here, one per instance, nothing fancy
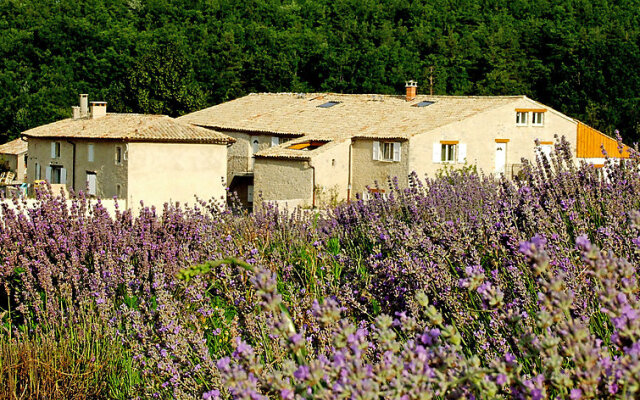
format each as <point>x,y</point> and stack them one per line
<point>328,104</point>
<point>308,145</point>
<point>424,103</point>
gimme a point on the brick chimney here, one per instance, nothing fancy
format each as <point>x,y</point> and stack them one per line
<point>412,90</point>
<point>98,109</point>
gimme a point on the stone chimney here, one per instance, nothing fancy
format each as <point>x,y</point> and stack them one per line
<point>76,112</point>
<point>98,109</point>
<point>412,90</point>
<point>84,109</point>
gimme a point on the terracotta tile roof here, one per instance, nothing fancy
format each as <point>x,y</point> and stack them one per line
<point>355,115</point>
<point>129,127</point>
<point>15,147</point>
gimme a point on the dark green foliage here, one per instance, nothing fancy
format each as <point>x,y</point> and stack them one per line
<point>173,57</point>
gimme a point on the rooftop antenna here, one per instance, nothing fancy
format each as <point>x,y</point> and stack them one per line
<point>431,80</point>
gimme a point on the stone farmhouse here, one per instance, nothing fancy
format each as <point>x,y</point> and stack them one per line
<point>14,155</point>
<point>292,148</point>
<point>132,157</point>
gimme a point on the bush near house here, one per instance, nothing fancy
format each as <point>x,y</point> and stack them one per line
<point>461,286</point>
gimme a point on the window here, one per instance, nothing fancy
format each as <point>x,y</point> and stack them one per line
<point>277,140</point>
<point>537,119</point>
<point>250,194</point>
<point>90,152</point>
<point>546,148</point>
<point>328,104</point>
<point>55,149</point>
<point>448,152</point>
<point>521,118</point>
<point>387,151</point>
<point>26,157</point>
<point>118,155</point>
<point>56,175</point>
<point>37,173</point>
<point>91,183</point>
<point>118,191</point>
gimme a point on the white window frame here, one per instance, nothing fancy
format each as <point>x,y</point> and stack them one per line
<point>546,149</point>
<point>522,118</point>
<point>387,151</point>
<point>534,121</point>
<point>446,156</point>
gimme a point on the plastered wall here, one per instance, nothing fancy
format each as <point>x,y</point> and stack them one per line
<point>175,172</point>
<point>108,172</point>
<point>283,179</point>
<point>240,153</point>
<point>366,171</point>
<point>480,133</point>
<point>332,172</point>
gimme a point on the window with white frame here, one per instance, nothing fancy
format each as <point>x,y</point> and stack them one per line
<point>387,151</point>
<point>448,152</point>
<point>521,118</point>
<point>546,149</point>
<point>537,118</point>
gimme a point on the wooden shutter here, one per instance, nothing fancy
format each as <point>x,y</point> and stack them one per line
<point>437,152</point>
<point>53,149</point>
<point>63,176</point>
<point>90,151</point>
<point>275,141</point>
<point>376,150</point>
<point>48,174</point>
<point>462,152</point>
<point>36,175</point>
<point>397,151</point>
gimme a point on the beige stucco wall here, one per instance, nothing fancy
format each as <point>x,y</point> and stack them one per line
<point>240,153</point>
<point>108,173</point>
<point>480,132</point>
<point>175,172</point>
<point>332,172</point>
<point>16,165</point>
<point>367,171</point>
<point>283,179</point>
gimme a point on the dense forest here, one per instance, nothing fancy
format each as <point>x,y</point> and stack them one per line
<point>581,57</point>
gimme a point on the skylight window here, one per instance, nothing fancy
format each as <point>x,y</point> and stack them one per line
<point>424,103</point>
<point>328,104</point>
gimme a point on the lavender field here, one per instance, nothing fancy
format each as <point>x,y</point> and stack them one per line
<point>462,286</point>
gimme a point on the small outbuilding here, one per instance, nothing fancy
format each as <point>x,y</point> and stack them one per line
<point>13,158</point>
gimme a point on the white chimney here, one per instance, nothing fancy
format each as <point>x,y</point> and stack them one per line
<point>76,112</point>
<point>84,109</point>
<point>98,109</point>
